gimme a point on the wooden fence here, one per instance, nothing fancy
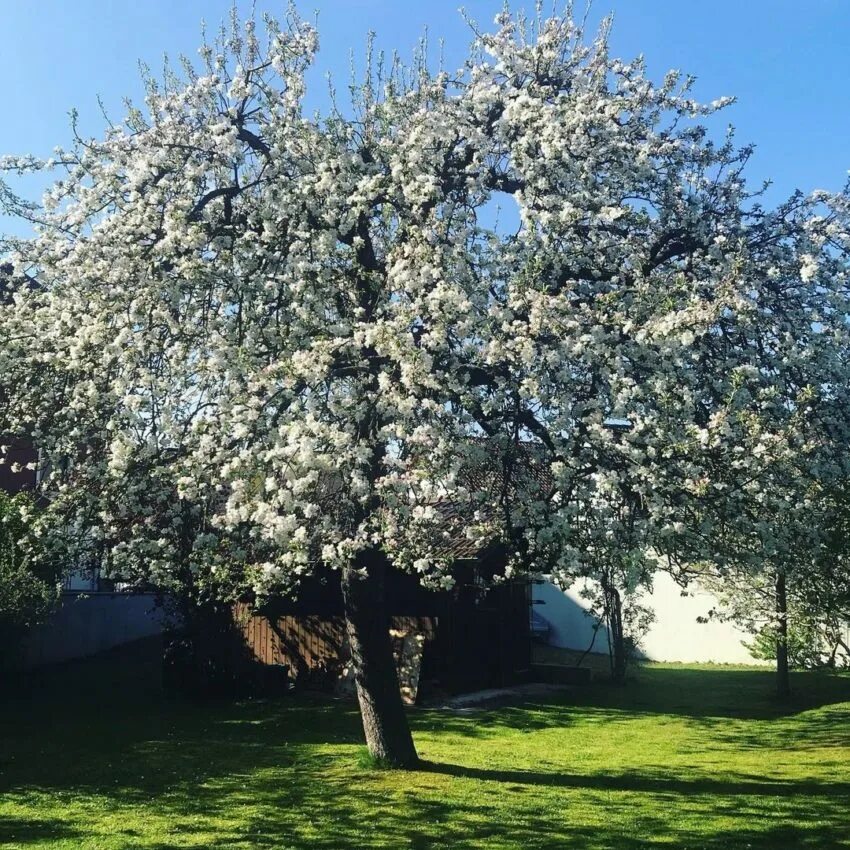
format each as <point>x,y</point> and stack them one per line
<point>313,647</point>
<point>463,641</point>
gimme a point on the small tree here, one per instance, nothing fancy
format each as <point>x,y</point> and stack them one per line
<point>813,641</point>
<point>796,600</point>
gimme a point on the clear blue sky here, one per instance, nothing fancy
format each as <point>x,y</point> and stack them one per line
<point>786,60</point>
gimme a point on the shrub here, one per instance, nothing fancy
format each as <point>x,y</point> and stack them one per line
<point>29,581</point>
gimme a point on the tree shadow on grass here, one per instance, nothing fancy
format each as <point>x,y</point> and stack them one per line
<point>705,697</point>
<point>81,717</point>
<point>31,830</point>
<point>350,811</point>
<point>696,692</point>
<point>822,729</point>
<point>647,783</point>
<point>723,704</point>
<point>282,773</point>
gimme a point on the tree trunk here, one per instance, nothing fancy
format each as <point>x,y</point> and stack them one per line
<point>616,638</point>
<point>783,681</point>
<point>619,637</point>
<point>832,656</point>
<point>367,624</point>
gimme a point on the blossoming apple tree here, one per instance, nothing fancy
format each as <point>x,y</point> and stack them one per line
<point>777,531</point>
<point>248,340</point>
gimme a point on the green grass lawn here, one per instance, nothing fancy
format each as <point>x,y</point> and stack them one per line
<point>92,756</point>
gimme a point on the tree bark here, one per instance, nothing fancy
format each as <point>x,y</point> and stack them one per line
<point>783,680</point>
<point>368,627</point>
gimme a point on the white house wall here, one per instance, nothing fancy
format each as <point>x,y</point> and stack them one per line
<point>675,634</point>
<point>571,626</point>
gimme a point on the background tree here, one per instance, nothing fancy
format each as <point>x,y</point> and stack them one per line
<point>773,512</point>
<point>796,603</point>
<point>304,332</point>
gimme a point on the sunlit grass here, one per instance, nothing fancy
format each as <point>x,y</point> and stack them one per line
<point>683,757</point>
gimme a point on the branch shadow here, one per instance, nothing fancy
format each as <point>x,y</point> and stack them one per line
<point>34,830</point>
<point>645,783</point>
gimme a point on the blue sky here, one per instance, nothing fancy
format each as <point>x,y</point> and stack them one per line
<point>785,60</point>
